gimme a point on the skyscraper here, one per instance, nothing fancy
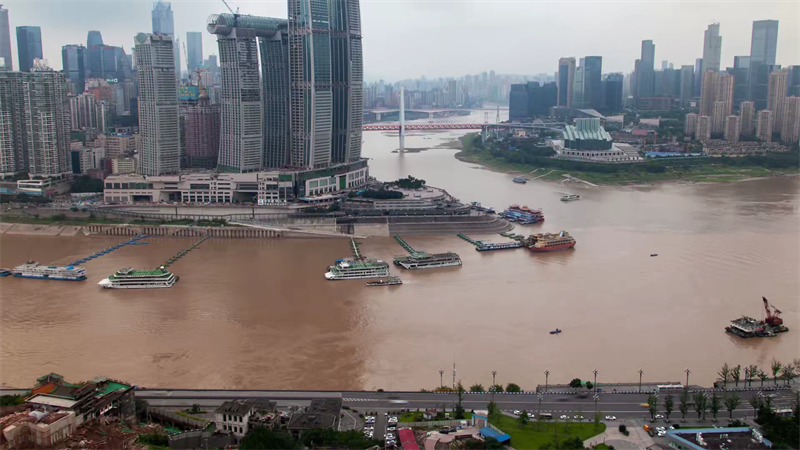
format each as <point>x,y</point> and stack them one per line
<point>708,93</point>
<point>747,112</point>
<point>712,48</point>
<point>73,58</point>
<point>686,84</point>
<point>732,129</point>
<point>763,46</point>
<point>310,75</point>
<point>518,102</point>
<point>740,71</point>
<point>703,130</point>
<point>94,39</point>
<point>698,76</point>
<point>13,154</point>
<point>347,77</point>
<point>612,92</point>
<point>764,126</point>
<point>718,118</point>
<point>29,46</point>
<point>645,71</point>
<point>202,133</point>
<point>790,130</point>
<point>578,87</point>
<point>5,39</point>
<point>243,145</point>
<point>778,86</point>
<point>725,85</point>
<point>47,109</point>
<point>566,77</point>
<point>593,90</point>
<point>194,49</point>
<point>159,134</point>
<point>163,23</point>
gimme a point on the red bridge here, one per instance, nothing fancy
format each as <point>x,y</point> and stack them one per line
<point>444,126</point>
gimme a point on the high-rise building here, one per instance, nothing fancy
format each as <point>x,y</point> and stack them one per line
<point>566,78</point>
<point>724,87</point>
<point>686,84</point>
<point>518,102</point>
<point>732,129</point>
<point>592,78</point>
<point>163,23</point>
<point>275,103</point>
<point>790,129</point>
<point>578,88</point>
<point>612,92</point>
<point>717,87</point>
<point>645,71</point>
<point>29,46</point>
<point>159,132</point>
<point>703,130</point>
<point>47,113</point>
<point>794,81</point>
<point>712,48</point>
<point>5,40</point>
<point>13,145</point>
<point>763,47</point>
<point>698,76</point>
<point>541,98</point>
<point>778,87</point>
<point>73,58</point>
<point>664,64</point>
<point>94,39</point>
<point>690,124</point>
<point>83,109</point>
<point>347,77</point>
<point>718,118</point>
<point>120,145</point>
<point>708,92</point>
<point>764,125</point>
<point>311,96</point>
<point>202,133</point>
<point>747,111</point>
<point>194,49</point>
<point>740,72</point>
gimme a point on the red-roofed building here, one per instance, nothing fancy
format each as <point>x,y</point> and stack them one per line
<point>407,440</point>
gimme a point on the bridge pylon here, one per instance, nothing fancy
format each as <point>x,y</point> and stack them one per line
<point>402,119</point>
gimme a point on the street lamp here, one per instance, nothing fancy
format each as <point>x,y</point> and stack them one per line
<point>596,398</point>
<point>640,379</point>
<point>441,377</point>
<point>746,369</point>
<point>595,379</point>
<point>546,376</point>
<point>494,376</point>
<point>687,377</point>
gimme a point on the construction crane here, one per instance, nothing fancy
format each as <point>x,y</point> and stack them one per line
<point>773,314</point>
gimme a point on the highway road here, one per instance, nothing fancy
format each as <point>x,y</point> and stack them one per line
<point>617,404</point>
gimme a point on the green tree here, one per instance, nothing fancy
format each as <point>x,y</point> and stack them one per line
<point>652,402</point>
<point>589,385</point>
<point>684,403</point>
<point>752,373</point>
<point>597,417</point>
<point>85,183</point>
<point>736,374</point>
<point>715,405</point>
<point>459,409</point>
<point>732,401</point>
<point>700,403</point>
<point>513,387</point>
<point>496,388</point>
<point>725,374</point>
<point>669,405</point>
<point>763,375</point>
<point>493,411</point>
<point>575,383</point>
<point>476,388</point>
<point>261,438</point>
<point>11,400</point>
<point>787,372</point>
<point>776,367</point>
<point>756,402</point>
<point>522,420</point>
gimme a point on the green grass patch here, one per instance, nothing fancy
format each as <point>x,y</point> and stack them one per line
<point>535,434</point>
<point>189,416</point>
<point>602,447</point>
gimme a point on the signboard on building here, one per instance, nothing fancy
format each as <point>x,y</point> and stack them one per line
<point>188,93</point>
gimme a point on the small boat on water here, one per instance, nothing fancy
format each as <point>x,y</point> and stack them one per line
<point>5,272</point>
<point>653,254</point>
<point>556,331</point>
<point>389,281</point>
<point>520,180</point>
<point>570,197</point>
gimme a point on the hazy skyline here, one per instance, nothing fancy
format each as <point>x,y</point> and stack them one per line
<point>408,39</point>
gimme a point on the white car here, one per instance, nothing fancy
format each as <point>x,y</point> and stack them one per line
<point>613,417</point>
<point>659,416</point>
<point>530,415</point>
<point>563,417</point>
<point>517,412</point>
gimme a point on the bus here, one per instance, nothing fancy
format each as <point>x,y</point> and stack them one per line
<point>784,412</point>
<point>545,416</point>
<point>670,387</point>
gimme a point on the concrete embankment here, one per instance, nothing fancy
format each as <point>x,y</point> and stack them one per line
<point>133,230</point>
<point>447,225</point>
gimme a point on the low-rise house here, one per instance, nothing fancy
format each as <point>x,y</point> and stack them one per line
<point>322,413</point>
<point>238,417</point>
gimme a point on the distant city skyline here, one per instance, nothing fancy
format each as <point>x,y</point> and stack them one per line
<point>397,34</point>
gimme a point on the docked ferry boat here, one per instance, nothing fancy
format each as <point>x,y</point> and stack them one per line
<point>389,281</point>
<point>425,260</point>
<point>523,215</point>
<point>348,269</point>
<point>548,242</point>
<point>140,279</point>
<point>32,269</point>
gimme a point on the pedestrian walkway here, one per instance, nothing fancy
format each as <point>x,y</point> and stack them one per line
<point>637,438</point>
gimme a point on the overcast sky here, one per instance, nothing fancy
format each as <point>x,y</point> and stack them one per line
<point>440,38</point>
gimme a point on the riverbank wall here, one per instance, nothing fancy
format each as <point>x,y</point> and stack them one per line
<point>134,230</point>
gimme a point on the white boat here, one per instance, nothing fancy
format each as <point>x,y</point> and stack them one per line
<point>32,269</point>
<point>140,279</point>
<point>424,260</point>
<point>348,269</point>
<point>570,197</point>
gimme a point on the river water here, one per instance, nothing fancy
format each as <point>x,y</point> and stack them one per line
<point>259,314</point>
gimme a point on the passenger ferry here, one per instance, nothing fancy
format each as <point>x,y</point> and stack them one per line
<point>523,215</point>
<point>347,269</point>
<point>424,260</point>
<point>548,242</point>
<point>520,180</point>
<point>32,269</point>
<point>570,197</point>
<point>140,279</point>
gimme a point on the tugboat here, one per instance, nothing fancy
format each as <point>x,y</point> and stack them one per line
<point>389,281</point>
<point>556,331</point>
<point>747,327</point>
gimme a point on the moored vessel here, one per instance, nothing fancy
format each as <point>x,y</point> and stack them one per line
<point>425,260</point>
<point>5,272</point>
<point>347,269</point>
<point>389,281</point>
<point>549,242</point>
<point>523,215</point>
<point>520,180</point>
<point>33,269</point>
<point>570,197</point>
<point>140,279</point>
<point>747,327</point>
